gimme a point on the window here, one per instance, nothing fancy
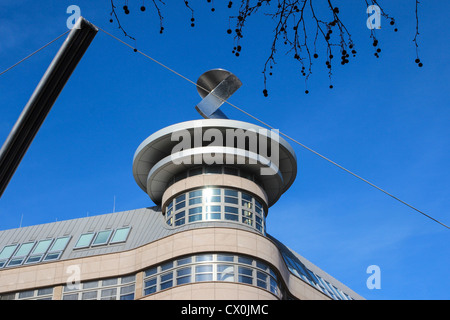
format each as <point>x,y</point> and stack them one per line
<point>195,214</point>
<point>102,238</point>
<point>33,294</point>
<point>211,267</point>
<point>225,272</point>
<point>204,272</point>
<point>150,286</point>
<point>166,281</point>
<point>6,253</point>
<point>39,251</point>
<point>261,279</point>
<point>183,275</point>
<point>179,218</point>
<point>245,275</point>
<point>212,213</point>
<point>120,235</point>
<point>215,204</point>
<point>57,248</point>
<point>85,240</point>
<point>231,213</point>
<point>21,254</point>
<point>121,288</point>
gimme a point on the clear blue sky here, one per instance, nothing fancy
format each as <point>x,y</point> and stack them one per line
<point>385,119</point>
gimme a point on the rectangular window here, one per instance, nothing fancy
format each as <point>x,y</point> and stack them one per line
<point>179,215</point>
<point>246,197</point>
<point>166,281</point>
<point>184,275</point>
<point>108,294</point>
<point>15,261</point>
<point>195,194</point>
<point>109,282</point>
<point>8,251</point>
<point>231,193</point>
<point>60,244</point>
<point>195,214</point>
<point>150,271</point>
<point>42,246</point>
<point>90,295</point>
<point>120,235</point>
<point>45,291</point>
<point>231,213</point>
<point>127,289</point>
<point>90,284</point>
<point>247,217</point>
<point>225,257</point>
<point>195,201</point>
<point>225,272</point>
<point>179,222</point>
<point>180,205</point>
<point>245,275</point>
<point>73,296</point>
<point>150,286</point>
<point>245,260</point>
<point>26,294</point>
<point>24,249</point>
<point>231,200</point>
<point>52,256</point>
<point>273,286</point>
<point>204,257</point>
<point>85,240</point>
<point>183,261</point>
<point>180,198</point>
<point>167,265</point>
<point>212,212</point>
<point>203,272</point>
<point>128,279</point>
<point>261,279</point>
<point>102,238</point>
<point>246,204</point>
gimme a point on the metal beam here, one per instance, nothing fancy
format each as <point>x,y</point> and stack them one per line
<point>43,98</point>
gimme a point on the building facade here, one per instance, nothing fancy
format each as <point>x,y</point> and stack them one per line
<point>213,182</point>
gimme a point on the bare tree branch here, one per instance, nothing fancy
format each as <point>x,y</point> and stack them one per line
<point>292,30</point>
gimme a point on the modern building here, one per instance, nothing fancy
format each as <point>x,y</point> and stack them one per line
<point>213,182</point>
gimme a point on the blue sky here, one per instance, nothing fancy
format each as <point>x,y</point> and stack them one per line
<point>385,119</point>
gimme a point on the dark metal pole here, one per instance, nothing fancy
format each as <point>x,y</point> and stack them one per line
<point>43,98</point>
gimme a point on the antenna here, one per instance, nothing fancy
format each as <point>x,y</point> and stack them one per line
<point>114,206</point>
<point>21,218</point>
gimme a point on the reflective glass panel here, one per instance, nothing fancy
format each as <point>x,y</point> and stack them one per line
<point>120,235</point>
<point>7,251</point>
<point>42,246</point>
<point>24,249</point>
<point>84,240</point>
<point>59,244</point>
<point>102,237</point>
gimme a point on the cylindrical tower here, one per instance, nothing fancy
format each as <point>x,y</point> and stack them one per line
<point>215,170</point>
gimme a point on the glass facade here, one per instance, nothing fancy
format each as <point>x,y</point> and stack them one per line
<point>211,267</point>
<point>33,294</point>
<point>297,268</point>
<point>33,252</point>
<point>215,204</point>
<point>121,288</point>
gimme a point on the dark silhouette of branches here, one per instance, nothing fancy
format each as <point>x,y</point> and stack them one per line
<point>291,30</point>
